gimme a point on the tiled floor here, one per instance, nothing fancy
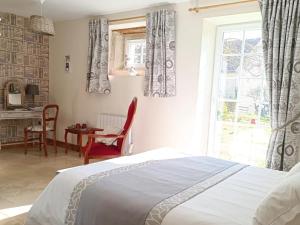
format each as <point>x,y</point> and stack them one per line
<point>22,178</point>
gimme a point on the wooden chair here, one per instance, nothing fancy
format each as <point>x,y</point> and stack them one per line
<point>99,150</point>
<point>50,113</point>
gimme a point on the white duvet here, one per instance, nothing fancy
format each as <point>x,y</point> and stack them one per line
<point>232,202</point>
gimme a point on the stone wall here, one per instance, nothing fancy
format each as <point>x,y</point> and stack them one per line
<point>24,55</point>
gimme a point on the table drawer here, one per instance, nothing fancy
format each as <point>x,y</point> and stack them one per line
<point>19,115</point>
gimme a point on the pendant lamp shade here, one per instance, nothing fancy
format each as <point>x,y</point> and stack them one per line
<point>41,24</point>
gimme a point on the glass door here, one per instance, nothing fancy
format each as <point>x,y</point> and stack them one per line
<point>239,128</point>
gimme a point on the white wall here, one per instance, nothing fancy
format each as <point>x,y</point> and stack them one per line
<point>159,122</point>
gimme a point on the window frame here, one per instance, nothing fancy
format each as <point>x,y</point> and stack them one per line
<point>217,65</point>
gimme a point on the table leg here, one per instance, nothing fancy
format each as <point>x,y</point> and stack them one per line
<point>79,143</point>
<point>66,142</point>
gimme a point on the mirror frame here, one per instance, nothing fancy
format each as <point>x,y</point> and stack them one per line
<point>19,85</point>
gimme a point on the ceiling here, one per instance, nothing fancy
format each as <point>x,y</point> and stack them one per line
<point>73,9</point>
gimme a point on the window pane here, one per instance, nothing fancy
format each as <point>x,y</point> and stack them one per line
<point>249,101</point>
<point>250,90</point>
<point>242,143</point>
<point>138,48</point>
<point>265,92</point>
<point>248,115</point>
<point>144,48</point>
<point>225,139</point>
<point>144,58</point>
<point>250,144</point>
<point>226,111</point>
<point>137,59</point>
<point>232,42</point>
<point>253,66</point>
<point>253,42</point>
<point>228,89</point>
<point>130,54</point>
<point>231,65</point>
<point>136,53</point>
<point>265,115</point>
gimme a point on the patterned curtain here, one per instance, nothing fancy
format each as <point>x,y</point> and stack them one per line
<point>160,75</point>
<point>97,77</point>
<point>281,45</point>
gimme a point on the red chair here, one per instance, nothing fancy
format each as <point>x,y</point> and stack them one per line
<point>99,150</point>
<point>49,120</point>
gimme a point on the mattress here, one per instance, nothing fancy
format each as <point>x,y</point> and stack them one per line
<point>232,201</point>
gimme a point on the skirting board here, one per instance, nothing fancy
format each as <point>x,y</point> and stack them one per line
<point>15,145</point>
<point>49,141</point>
<point>63,145</point>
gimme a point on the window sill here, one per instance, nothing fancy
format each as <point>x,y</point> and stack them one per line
<point>125,75</point>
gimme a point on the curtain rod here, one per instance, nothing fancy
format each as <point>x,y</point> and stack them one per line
<point>128,18</point>
<point>197,9</point>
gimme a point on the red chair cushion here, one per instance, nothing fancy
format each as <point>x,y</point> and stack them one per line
<point>99,149</point>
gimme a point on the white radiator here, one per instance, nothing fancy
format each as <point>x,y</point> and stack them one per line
<point>110,122</point>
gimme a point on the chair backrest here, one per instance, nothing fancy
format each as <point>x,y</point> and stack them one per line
<point>128,123</point>
<point>50,113</point>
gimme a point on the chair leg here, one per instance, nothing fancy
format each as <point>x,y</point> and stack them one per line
<point>40,142</point>
<point>45,143</point>
<point>66,142</point>
<point>86,160</point>
<point>25,140</point>
<point>54,142</point>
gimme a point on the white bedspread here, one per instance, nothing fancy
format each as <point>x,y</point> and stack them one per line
<point>231,202</point>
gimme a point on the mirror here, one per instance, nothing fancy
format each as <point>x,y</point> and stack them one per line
<point>14,99</point>
<point>14,94</point>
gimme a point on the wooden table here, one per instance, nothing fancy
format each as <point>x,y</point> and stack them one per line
<point>79,132</point>
<point>19,115</point>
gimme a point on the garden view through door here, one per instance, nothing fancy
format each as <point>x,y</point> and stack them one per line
<point>240,119</point>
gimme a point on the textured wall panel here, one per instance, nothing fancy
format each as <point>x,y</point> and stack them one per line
<point>24,55</point>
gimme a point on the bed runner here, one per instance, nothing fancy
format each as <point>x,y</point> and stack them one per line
<point>143,194</point>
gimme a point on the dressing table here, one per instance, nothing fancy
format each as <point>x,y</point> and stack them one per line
<point>14,109</point>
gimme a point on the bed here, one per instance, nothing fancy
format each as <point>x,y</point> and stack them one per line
<point>227,194</point>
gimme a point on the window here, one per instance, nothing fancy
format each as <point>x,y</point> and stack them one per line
<point>136,53</point>
<point>239,128</point>
<point>127,49</point>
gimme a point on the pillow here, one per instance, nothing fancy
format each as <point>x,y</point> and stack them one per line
<point>282,205</point>
<point>109,130</point>
<point>294,170</point>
